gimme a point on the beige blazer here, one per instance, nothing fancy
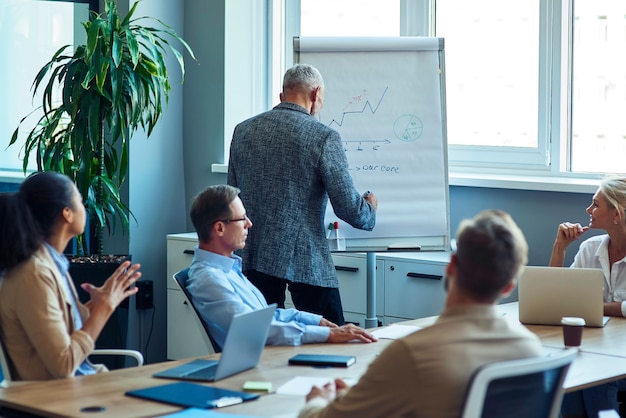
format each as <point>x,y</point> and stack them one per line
<point>425,374</point>
<point>36,321</point>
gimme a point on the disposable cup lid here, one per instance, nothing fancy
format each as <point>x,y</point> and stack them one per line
<point>572,320</point>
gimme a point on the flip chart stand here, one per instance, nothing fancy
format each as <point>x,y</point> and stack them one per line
<point>371,321</point>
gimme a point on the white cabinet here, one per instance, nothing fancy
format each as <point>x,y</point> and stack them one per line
<point>408,285</point>
<point>414,285</point>
<point>183,336</point>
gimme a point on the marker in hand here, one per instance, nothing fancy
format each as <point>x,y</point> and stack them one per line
<point>371,199</point>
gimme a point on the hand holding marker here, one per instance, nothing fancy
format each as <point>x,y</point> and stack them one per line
<point>371,199</point>
<point>369,196</point>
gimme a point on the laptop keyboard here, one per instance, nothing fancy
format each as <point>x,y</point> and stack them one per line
<point>205,372</point>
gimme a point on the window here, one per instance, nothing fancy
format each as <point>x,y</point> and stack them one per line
<point>599,86</point>
<point>491,76</point>
<point>30,33</point>
<point>532,87</point>
<point>350,18</point>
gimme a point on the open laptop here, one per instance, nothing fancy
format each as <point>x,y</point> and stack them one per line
<point>546,294</point>
<point>242,349</point>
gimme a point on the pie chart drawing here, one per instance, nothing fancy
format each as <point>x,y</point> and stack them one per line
<point>408,128</point>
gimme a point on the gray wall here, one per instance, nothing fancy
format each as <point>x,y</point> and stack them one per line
<point>204,96</point>
<point>156,191</point>
<point>537,213</point>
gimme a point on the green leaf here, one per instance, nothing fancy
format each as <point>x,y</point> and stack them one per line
<point>133,47</point>
<point>118,48</point>
<point>93,38</point>
<point>129,16</point>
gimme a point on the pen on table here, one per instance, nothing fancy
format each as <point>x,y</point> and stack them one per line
<point>224,401</point>
<point>336,227</point>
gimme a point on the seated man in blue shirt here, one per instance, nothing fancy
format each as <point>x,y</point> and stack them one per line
<point>220,290</point>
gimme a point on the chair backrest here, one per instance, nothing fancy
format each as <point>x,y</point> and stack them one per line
<point>530,387</point>
<point>181,280</point>
<point>7,379</point>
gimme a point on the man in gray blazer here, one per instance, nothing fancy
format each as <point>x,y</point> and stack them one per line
<point>288,165</point>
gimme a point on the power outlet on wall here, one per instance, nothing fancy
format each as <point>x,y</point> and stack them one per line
<point>144,297</point>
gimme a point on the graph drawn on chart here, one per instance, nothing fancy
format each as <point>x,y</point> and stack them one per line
<point>350,123</point>
<point>355,102</point>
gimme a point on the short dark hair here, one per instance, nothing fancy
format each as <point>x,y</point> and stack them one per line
<point>27,217</point>
<point>209,206</point>
<point>491,250</point>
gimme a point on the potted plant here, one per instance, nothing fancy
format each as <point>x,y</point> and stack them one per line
<point>93,99</point>
<point>107,88</point>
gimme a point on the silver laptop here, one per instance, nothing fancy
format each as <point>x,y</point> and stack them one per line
<point>242,349</point>
<point>546,294</point>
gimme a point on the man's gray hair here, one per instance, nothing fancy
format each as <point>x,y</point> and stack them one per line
<point>302,75</point>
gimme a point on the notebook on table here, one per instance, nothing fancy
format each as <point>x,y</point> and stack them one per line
<point>322,360</point>
<point>193,395</point>
<point>546,294</point>
<point>242,349</point>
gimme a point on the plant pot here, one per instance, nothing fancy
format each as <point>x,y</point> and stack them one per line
<point>114,333</point>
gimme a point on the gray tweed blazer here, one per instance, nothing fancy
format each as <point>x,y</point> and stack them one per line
<point>287,165</point>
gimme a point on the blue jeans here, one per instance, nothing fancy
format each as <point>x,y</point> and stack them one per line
<point>590,401</point>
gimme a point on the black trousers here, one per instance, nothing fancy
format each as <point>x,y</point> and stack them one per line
<point>324,301</point>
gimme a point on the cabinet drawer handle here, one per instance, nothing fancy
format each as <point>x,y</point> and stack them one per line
<point>424,276</point>
<point>192,252</point>
<point>350,269</point>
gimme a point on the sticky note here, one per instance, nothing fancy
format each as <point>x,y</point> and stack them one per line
<point>253,386</point>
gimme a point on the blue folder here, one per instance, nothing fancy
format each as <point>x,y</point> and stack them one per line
<point>193,395</point>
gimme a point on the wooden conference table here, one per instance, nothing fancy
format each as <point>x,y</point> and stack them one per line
<point>602,358</point>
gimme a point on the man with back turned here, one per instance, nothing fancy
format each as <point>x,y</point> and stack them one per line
<point>288,165</point>
<point>426,374</point>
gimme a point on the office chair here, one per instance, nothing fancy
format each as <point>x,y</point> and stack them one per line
<point>7,376</point>
<point>524,388</point>
<point>181,280</point>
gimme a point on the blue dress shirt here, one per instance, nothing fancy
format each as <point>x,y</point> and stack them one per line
<point>85,368</point>
<point>220,290</point>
